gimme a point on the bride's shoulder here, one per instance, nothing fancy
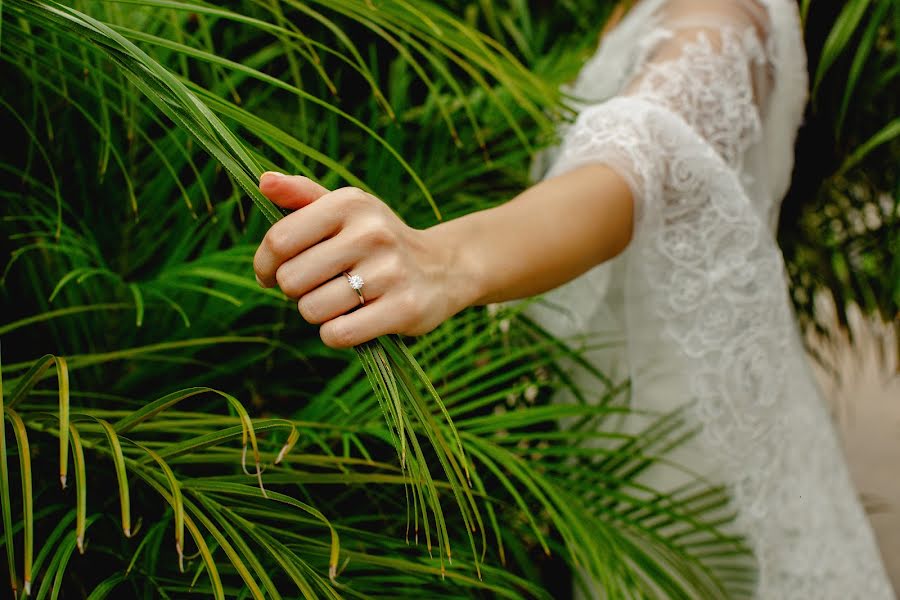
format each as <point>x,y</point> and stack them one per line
<point>618,13</point>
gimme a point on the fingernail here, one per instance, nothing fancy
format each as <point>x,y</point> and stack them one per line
<point>272,174</point>
<point>258,280</point>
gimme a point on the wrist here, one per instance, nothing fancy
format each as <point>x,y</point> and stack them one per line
<point>459,269</point>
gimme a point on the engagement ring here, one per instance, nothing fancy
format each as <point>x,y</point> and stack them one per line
<point>356,282</point>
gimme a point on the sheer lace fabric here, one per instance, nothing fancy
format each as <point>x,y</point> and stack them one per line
<point>699,118</point>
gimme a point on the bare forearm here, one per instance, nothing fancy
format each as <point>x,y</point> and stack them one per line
<point>412,280</point>
<point>546,236</point>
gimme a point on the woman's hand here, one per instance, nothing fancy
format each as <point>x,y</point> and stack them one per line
<point>414,280</point>
<point>406,274</point>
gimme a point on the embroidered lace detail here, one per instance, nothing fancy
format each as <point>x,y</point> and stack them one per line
<point>704,270</point>
<point>711,89</point>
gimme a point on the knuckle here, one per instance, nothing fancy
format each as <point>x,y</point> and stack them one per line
<point>350,197</point>
<point>352,201</point>
<point>354,192</point>
<point>278,241</point>
<point>393,269</point>
<point>310,310</point>
<point>336,335</point>
<point>375,234</point>
<point>360,196</point>
<point>285,281</point>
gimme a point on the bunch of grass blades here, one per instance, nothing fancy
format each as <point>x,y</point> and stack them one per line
<point>135,132</point>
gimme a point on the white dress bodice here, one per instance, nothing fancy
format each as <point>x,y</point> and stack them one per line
<point>696,105</point>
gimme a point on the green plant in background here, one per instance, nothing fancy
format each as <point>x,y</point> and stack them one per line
<point>143,369</point>
<point>843,232</point>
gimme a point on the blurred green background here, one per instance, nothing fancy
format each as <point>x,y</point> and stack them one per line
<point>134,135</point>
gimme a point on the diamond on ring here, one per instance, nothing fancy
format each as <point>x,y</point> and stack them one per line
<point>356,282</point>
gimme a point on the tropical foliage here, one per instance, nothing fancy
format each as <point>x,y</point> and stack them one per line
<point>182,429</point>
<point>840,228</point>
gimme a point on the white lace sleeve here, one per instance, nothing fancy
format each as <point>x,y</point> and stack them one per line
<point>703,70</point>
<point>705,282</point>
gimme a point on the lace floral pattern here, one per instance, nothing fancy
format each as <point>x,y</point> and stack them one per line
<point>712,89</point>
<point>704,268</point>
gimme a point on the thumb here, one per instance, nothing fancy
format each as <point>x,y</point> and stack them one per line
<point>290,191</point>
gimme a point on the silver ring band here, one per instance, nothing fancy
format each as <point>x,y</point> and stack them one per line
<point>356,283</point>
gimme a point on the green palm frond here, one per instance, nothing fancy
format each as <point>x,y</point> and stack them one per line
<point>143,365</point>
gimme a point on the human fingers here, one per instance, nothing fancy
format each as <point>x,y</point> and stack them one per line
<point>337,297</point>
<point>315,266</point>
<point>313,223</point>
<point>287,191</point>
<point>306,227</point>
<point>290,191</point>
<point>391,313</point>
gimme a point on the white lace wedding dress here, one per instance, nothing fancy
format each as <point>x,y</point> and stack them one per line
<point>696,103</point>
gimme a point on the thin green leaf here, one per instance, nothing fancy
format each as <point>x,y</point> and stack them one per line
<point>105,587</point>
<point>62,375</point>
<point>883,136</point>
<point>27,498</point>
<point>5,503</point>
<point>839,37</point>
<point>80,487</point>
